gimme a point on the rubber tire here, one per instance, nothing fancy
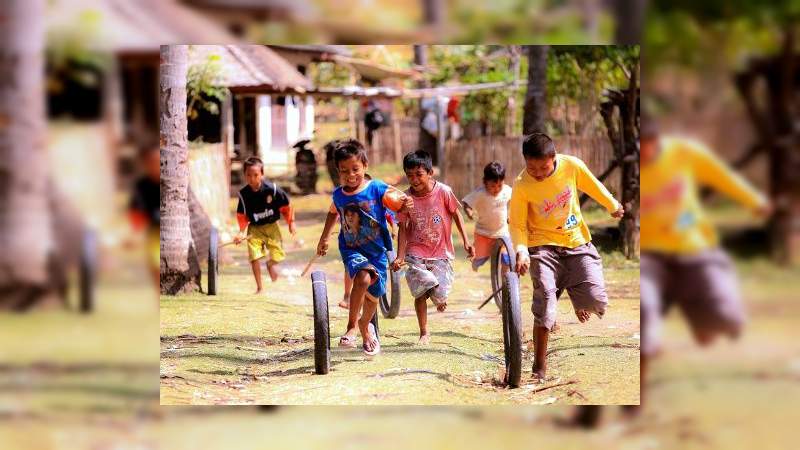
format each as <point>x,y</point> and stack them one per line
<point>88,271</point>
<point>213,260</point>
<point>495,264</point>
<point>322,331</point>
<point>390,301</point>
<point>512,329</point>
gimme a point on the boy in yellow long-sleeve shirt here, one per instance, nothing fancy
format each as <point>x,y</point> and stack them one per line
<point>681,262</point>
<point>551,237</point>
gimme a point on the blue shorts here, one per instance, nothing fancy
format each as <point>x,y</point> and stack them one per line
<point>377,266</point>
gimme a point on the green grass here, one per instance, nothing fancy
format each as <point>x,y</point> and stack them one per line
<point>237,348</point>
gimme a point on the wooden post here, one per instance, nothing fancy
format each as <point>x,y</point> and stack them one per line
<point>242,128</point>
<point>226,117</point>
<point>263,125</point>
<point>351,117</point>
<point>440,139</point>
<point>398,146</point>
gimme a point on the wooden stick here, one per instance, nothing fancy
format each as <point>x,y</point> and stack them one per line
<point>310,263</point>
<point>247,238</point>
<point>490,297</point>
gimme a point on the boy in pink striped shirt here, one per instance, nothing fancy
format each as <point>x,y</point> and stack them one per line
<point>425,244</point>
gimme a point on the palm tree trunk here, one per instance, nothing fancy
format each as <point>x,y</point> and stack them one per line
<point>535,111</point>
<point>26,238</point>
<point>179,267</point>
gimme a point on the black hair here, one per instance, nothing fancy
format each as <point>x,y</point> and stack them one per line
<point>494,171</point>
<point>418,158</point>
<point>253,161</point>
<point>349,148</point>
<point>538,146</point>
<point>352,208</point>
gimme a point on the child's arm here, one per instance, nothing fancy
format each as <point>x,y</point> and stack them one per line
<point>241,218</point>
<point>402,238</point>
<point>468,210</point>
<point>467,245</point>
<point>711,171</point>
<point>588,183</point>
<point>518,227</point>
<point>322,246</point>
<point>288,215</point>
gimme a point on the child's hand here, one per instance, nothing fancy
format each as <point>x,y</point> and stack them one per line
<point>408,203</point>
<point>618,213</point>
<point>469,249</point>
<point>292,230</point>
<point>322,247</point>
<point>238,238</point>
<point>523,263</point>
<point>398,263</point>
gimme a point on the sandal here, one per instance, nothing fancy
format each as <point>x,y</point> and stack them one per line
<point>377,348</point>
<point>348,341</point>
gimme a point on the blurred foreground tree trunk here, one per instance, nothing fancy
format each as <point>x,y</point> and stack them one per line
<point>535,109</point>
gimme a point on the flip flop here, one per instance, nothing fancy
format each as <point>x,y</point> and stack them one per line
<point>348,341</point>
<point>377,348</point>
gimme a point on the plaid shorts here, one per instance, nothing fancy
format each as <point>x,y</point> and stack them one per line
<point>425,274</point>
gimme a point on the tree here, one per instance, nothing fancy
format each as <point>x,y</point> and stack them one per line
<point>536,96</point>
<point>180,271</point>
<point>629,19</point>
<point>26,237</point>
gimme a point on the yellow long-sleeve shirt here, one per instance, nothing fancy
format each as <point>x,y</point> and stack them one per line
<point>548,212</point>
<point>672,217</point>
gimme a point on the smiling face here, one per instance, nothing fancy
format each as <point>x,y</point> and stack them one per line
<point>493,187</point>
<point>351,172</point>
<point>540,169</point>
<point>420,180</point>
<point>254,175</point>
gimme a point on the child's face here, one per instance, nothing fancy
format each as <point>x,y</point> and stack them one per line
<point>419,179</point>
<point>352,220</point>
<point>540,169</point>
<point>351,172</point>
<point>493,188</point>
<point>648,149</point>
<point>254,175</point>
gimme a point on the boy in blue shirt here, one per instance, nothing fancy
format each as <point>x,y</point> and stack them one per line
<point>361,204</point>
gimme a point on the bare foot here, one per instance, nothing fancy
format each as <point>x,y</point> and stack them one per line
<point>424,339</point>
<point>345,303</point>
<point>582,314</point>
<point>258,292</point>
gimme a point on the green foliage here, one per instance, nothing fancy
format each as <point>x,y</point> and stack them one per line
<point>70,54</point>
<point>202,87</point>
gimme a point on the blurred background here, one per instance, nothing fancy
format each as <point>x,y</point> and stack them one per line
<point>79,111</point>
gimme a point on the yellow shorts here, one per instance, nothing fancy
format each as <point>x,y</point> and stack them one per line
<point>153,247</point>
<point>263,238</point>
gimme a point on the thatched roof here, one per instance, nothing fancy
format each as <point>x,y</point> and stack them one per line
<point>251,68</point>
<point>123,26</point>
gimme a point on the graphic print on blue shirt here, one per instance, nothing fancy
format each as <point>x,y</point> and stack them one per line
<point>363,220</point>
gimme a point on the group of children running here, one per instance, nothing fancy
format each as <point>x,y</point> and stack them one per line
<point>540,212</point>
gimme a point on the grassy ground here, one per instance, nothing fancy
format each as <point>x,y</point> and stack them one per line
<point>237,348</point>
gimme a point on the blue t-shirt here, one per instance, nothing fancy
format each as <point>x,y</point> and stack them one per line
<point>362,217</point>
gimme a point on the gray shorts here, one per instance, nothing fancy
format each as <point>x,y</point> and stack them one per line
<point>703,285</point>
<point>424,274</point>
<point>577,270</point>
